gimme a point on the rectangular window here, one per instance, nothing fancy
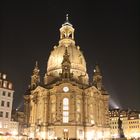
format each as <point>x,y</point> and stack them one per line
<point>1,114</point>
<point>3,93</point>
<point>9,94</point>
<point>8,104</point>
<point>4,76</point>
<point>2,103</point>
<point>7,115</point>
<point>65,110</point>
<point>65,116</point>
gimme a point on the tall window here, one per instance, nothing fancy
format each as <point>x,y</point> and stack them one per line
<point>2,103</point>
<point>5,84</point>
<point>65,110</point>
<point>3,93</point>
<point>10,86</point>
<point>1,114</point>
<point>6,115</point>
<point>9,94</point>
<point>8,104</point>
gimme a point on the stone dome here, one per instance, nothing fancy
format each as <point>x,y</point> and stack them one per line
<point>77,60</point>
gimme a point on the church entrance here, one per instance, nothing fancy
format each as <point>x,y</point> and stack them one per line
<point>65,132</point>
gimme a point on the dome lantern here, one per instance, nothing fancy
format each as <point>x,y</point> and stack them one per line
<point>67,33</point>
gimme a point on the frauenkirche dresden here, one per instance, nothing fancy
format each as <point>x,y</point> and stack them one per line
<point>67,106</point>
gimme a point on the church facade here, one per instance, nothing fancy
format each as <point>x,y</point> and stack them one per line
<point>66,105</point>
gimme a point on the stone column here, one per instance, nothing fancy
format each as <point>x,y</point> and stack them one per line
<point>86,109</point>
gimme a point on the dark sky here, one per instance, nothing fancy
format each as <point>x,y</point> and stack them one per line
<point>108,32</point>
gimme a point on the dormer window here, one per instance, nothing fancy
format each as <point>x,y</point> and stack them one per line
<point>5,84</point>
<point>10,86</point>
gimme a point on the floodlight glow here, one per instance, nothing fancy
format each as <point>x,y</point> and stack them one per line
<point>114,104</point>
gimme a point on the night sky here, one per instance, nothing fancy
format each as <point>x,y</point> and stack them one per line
<point>108,33</point>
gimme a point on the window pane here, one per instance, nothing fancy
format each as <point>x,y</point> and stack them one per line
<point>65,101</point>
<point>65,107</point>
<point>7,114</point>
<point>65,119</point>
<point>8,104</point>
<point>65,110</point>
<point>2,103</point>
<point>10,86</point>
<point>65,113</point>
<point>3,93</point>
<point>5,84</point>
<point>1,114</point>
<point>9,94</point>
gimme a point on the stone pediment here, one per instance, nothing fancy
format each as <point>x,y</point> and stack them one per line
<point>71,88</point>
<point>39,89</point>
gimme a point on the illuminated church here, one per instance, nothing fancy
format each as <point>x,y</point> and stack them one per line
<point>66,106</point>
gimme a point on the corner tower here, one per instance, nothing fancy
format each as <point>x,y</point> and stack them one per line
<point>35,78</point>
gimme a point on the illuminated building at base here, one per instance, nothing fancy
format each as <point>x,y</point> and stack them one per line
<point>66,106</point>
<point>7,127</point>
<point>130,123</point>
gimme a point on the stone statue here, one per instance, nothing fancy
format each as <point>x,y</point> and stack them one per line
<point>120,129</point>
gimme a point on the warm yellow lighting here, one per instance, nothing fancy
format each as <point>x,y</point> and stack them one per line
<point>80,134</point>
<point>31,135</point>
<point>65,89</point>
<point>115,136</point>
<point>50,134</point>
<point>92,122</point>
<point>135,135</point>
<point>4,76</point>
<point>10,86</point>
<point>5,84</point>
<point>90,135</point>
<point>99,135</point>
<point>14,132</point>
<point>43,135</point>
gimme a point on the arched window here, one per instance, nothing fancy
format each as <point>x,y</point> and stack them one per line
<point>70,35</point>
<point>65,110</point>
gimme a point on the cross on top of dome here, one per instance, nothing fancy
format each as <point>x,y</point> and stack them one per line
<point>67,21</point>
<point>67,17</point>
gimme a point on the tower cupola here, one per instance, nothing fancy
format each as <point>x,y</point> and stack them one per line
<point>67,33</point>
<point>97,78</point>
<point>35,78</point>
